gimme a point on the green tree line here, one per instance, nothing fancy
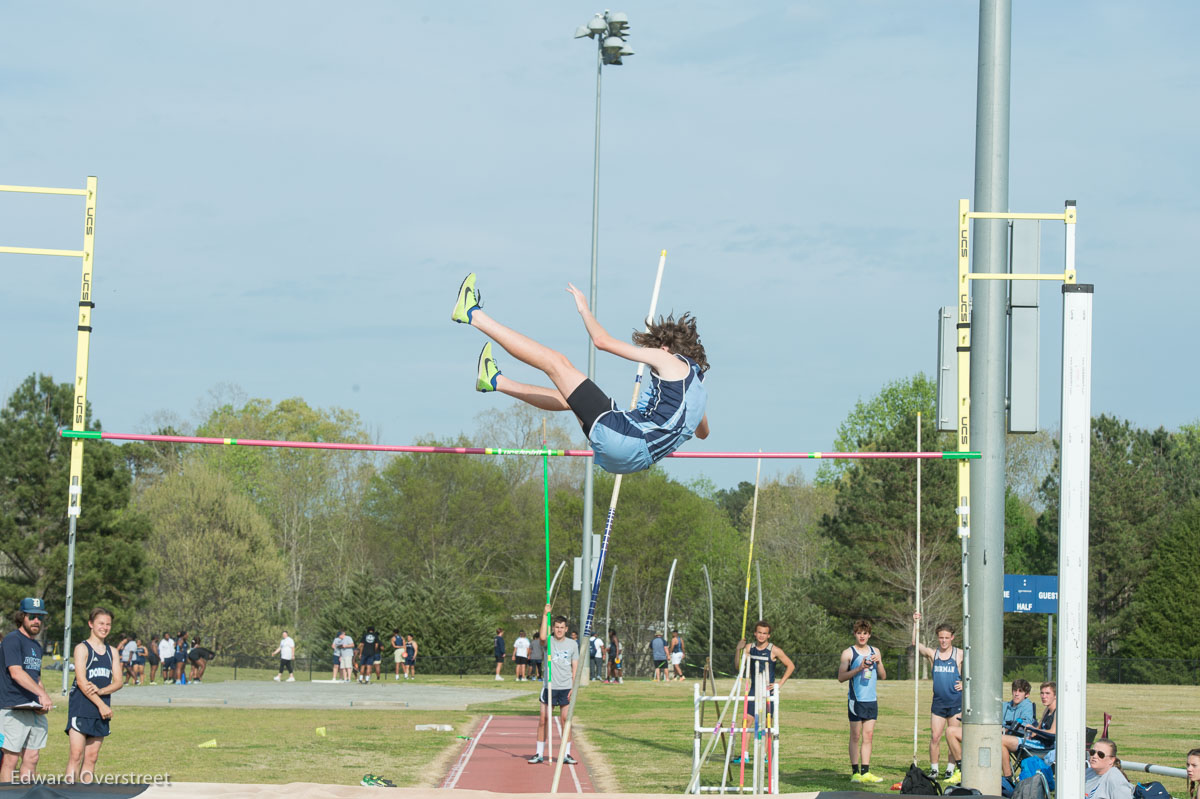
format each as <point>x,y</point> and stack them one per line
<point>235,544</point>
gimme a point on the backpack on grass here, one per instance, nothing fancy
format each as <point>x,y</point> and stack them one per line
<point>916,782</point>
<point>1036,765</point>
<point>1032,787</point>
<point>1151,790</point>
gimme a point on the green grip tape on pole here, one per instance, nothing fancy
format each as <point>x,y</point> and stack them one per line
<point>95,434</point>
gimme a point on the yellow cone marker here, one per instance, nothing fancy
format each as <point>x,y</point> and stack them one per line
<point>208,744</point>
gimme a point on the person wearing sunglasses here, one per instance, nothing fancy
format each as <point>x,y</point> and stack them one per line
<point>1104,778</point>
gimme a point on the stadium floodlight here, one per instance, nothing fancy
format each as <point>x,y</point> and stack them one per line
<point>611,32</point>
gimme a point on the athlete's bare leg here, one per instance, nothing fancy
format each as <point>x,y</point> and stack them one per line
<point>548,399</point>
<point>562,372</point>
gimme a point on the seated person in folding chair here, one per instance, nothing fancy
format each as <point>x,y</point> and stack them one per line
<point>1019,710</point>
<point>1037,740</point>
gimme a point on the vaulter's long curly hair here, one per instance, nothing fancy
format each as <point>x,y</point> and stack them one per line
<point>677,335</point>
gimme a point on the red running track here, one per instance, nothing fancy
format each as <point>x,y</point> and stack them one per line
<point>495,760</point>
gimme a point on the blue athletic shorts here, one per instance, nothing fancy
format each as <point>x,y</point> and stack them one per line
<point>862,711</point>
<point>946,710</point>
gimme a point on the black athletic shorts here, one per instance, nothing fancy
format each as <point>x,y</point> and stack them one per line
<point>559,697</point>
<point>589,403</point>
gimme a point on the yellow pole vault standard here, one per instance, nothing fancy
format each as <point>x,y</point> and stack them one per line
<point>964,368</point>
<point>79,406</point>
<point>965,276</point>
<point>82,349</point>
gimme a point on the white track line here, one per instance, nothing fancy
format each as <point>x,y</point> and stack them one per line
<point>461,765</point>
<point>574,776</point>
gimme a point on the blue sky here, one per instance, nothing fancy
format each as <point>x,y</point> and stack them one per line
<point>290,194</point>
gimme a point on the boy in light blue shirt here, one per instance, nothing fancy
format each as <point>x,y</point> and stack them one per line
<point>1019,709</point>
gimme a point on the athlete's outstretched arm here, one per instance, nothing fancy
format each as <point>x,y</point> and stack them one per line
<point>664,363</point>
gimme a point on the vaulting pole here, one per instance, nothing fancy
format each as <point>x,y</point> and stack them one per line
<point>917,633</point>
<point>608,524</point>
<point>667,602</point>
<point>745,610</point>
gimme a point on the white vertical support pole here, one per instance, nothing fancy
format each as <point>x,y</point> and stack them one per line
<point>1073,525</point>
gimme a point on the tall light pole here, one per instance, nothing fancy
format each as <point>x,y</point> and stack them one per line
<point>610,30</point>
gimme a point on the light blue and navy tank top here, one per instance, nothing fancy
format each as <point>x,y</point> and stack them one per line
<point>945,675</point>
<point>665,416</point>
<point>99,674</point>
<point>862,686</point>
<point>410,650</point>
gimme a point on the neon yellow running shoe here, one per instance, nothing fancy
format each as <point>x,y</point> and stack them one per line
<point>468,300</point>
<point>856,777</point>
<point>488,371</point>
<point>869,777</point>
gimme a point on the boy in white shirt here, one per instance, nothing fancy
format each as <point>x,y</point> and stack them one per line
<point>287,657</point>
<point>521,655</point>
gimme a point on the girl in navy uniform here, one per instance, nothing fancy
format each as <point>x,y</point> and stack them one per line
<point>88,711</point>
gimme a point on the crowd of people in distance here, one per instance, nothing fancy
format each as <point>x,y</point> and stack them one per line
<point>605,661</point>
<point>182,659</point>
<point>362,658</point>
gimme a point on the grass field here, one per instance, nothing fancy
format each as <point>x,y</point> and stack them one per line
<point>638,734</point>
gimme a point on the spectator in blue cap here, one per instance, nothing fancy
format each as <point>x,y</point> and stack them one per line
<point>23,701</point>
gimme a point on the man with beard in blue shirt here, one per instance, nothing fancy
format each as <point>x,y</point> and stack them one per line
<point>23,701</point>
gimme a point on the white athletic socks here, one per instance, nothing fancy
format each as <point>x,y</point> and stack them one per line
<point>541,748</point>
